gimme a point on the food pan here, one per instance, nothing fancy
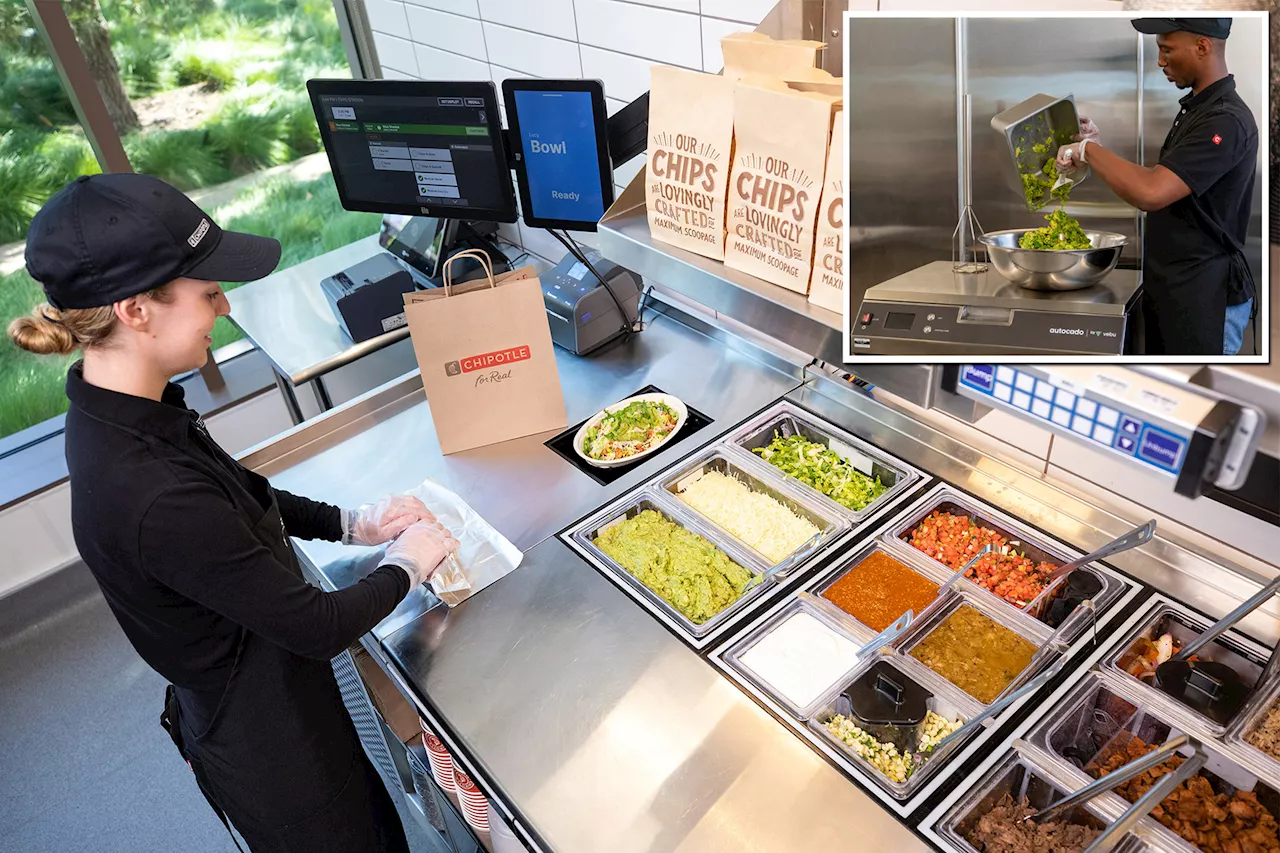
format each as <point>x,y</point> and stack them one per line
<point>1250,724</point>
<point>1036,633</point>
<point>760,478</point>
<point>1018,776</point>
<point>787,419</point>
<point>584,536</point>
<point>1040,119</point>
<point>843,628</point>
<point>1036,546</point>
<point>1100,718</point>
<point>945,699</point>
<point>1184,626</point>
<point>927,569</point>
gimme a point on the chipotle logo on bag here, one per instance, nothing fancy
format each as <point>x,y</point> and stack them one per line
<point>490,361</point>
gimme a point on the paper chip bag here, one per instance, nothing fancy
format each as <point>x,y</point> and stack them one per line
<point>687,171</point>
<point>780,158</point>
<point>826,288</point>
<point>757,53</point>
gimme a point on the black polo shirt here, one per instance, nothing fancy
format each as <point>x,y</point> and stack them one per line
<point>1213,148</point>
<point>164,519</point>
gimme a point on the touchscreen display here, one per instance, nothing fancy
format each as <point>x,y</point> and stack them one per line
<point>562,162</point>
<point>414,150</point>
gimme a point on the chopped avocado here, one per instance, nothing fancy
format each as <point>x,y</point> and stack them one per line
<point>686,570</point>
<point>1062,232</point>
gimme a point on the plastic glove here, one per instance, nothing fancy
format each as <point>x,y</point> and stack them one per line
<point>373,524</point>
<point>420,549</point>
<point>1089,130</point>
<point>1072,157</point>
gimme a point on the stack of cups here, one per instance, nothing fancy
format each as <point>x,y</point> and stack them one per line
<point>441,762</point>
<point>475,808</point>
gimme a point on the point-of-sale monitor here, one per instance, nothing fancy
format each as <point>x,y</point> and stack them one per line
<point>415,147</point>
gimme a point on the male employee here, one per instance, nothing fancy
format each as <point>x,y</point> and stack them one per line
<point>1198,290</point>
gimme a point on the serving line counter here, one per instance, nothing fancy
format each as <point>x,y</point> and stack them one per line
<point>590,720</point>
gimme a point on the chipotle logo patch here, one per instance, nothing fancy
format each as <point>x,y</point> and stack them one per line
<point>487,360</point>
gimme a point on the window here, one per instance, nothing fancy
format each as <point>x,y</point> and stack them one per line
<point>210,96</point>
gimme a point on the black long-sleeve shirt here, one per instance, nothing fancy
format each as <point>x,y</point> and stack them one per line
<point>164,519</point>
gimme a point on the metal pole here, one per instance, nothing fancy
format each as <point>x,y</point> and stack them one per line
<point>51,20</point>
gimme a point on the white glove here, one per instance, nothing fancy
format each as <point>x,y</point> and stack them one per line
<point>1089,130</point>
<point>420,550</point>
<point>373,524</point>
<point>1072,157</point>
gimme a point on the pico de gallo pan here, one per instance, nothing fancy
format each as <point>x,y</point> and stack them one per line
<point>631,430</point>
<point>953,540</point>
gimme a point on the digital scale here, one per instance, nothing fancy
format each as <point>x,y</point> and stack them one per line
<point>933,310</point>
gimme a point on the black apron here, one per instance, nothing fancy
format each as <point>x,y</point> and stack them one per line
<point>280,755</point>
<point>1188,317</point>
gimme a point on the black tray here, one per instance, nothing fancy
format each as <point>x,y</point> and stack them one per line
<point>563,443</point>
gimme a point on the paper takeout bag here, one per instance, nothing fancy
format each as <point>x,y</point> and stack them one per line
<point>781,138</point>
<point>757,53</point>
<point>687,170</point>
<point>826,287</point>
<point>485,353</point>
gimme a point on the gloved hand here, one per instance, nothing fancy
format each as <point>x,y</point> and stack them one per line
<point>1088,130</point>
<point>1072,157</point>
<point>420,550</point>
<point>373,524</point>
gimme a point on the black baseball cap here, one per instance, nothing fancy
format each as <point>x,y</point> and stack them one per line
<point>103,238</point>
<point>1214,28</point>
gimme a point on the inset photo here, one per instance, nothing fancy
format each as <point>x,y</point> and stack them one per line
<point>1057,188</point>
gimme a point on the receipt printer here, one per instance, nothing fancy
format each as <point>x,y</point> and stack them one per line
<point>582,314</point>
<point>368,298</point>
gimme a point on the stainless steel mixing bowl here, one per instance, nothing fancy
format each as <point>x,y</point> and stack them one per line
<point>1054,269</point>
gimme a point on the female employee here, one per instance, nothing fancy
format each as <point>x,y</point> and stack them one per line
<point>191,549</point>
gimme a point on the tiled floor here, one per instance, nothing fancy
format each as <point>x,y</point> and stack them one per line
<point>84,764</point>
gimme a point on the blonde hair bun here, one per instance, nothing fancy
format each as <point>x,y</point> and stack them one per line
<point>48,331</point>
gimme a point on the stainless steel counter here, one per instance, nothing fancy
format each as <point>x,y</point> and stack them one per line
<point>595,726</point>
<point>385,443</point>
<point>609,734</point>
<point>286,315</point>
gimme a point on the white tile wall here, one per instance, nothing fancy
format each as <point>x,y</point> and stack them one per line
<point>395,54</point>
<point>387,16</point>
<point>457,7</point>
<point>748,11</point>
<point>625,77</point>
<point>752,12</point>
<point>436,64</point>
<point>549,17</point>
<point>532,54</point>
<point>454,33</point>
<point>645,31</point>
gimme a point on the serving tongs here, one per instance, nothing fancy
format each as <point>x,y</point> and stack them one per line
<point>1217,681</point>
<point>1127,821</point>
<point>1139,535</point>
